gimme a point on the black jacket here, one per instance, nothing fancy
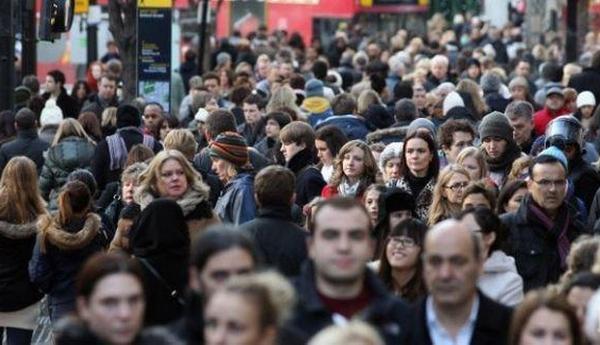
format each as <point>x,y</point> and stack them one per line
<point>586,180</point>
<point>281,242</point>
<point>496,102</point>
<point>28,144</point>
<point>587,80</point>
<point>66,103</point>
<point>97,106</point>
<point>535,251</point>
<point>388,314</point>
<point>491,326</point>
<point>309,181</point>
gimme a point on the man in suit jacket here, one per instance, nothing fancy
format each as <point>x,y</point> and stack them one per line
<point>455,312</point>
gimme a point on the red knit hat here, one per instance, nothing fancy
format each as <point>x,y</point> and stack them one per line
<point>231,147</point>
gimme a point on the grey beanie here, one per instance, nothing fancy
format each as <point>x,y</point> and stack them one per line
<point>314,88</point>
<point>495,124</point>
<point>421,123</point>
<point>490,82</point>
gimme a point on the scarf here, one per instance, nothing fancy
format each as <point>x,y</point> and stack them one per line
<point>117,150</point>
<point>556,228</point>
<point>346,189</point>
<point>504,163</point>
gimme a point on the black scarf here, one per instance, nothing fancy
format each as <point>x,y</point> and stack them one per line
<point>503,163</point>
<point>300,160</point>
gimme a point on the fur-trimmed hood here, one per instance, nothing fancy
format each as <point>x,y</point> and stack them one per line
<point>50,230</point>
<point>387,135</point>
<point>195,195</point>
<point>17,231</point>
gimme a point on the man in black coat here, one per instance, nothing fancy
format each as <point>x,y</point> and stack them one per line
<point>455,311</point>
<point>55,88</point>
<point>336,285</point>
<point>281,242</point>
<point>27,143</point>
<point>106,97</point>
<point>587,80</point>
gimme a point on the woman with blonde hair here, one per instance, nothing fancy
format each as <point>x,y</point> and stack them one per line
<point>366,99</point>
<point>20,206</point>
<point>448,193</point>
<point>109,121</point>
<point>170,175</point>
<point>283,97</point>
<point>71,149</point>
<point>477,107</point>
<point>355,169</point>
<point>471,159</point>
<point>355,332</point>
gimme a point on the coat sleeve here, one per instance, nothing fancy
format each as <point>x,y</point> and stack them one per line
<point>244,206</point>
<point>594,214</point>
<point>100,164</point>
<point>40,269</point>
<point>513,294</point>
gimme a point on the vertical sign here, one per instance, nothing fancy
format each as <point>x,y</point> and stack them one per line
<point>154,51</point>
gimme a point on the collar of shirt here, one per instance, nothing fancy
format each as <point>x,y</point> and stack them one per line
<point>439,336</point>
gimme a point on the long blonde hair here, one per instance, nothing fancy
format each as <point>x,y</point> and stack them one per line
<point>474,152</point>
<point>440,206</point>
<point>20,198</point>
<point>370,165</point>
<point>283,97</point>
<point>470,87</point>
<point>68,128</point>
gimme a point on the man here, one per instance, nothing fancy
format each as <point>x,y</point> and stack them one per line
<point>554,106</point>
<point>520,116</point>
<point>185,109</point>
<point>315,103</point>
<point>27,143</point>
<point>212,84</point>
<point>438,72</point>
<point>545,225</point>
<point>153,114</point>
<point>455,312</point>
<point>279,240</point>
<point>335,285</point>
<point>106,97</point>
<point>498,146</point>
<point>253,130</point>
<point>55,89</point>
<point>453,136</point>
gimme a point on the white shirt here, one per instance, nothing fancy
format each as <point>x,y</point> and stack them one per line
<point>439,336</point>
<point>327,171</point>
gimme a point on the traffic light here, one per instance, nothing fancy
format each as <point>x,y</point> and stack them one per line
<point>56,17</point>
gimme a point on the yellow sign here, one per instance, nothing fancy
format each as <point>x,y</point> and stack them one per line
<point>82,6</point>
<point>155,3</point>
<point>366,3</point>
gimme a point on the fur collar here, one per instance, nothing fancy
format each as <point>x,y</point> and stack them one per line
<point>188,202</point>
<point>17,231</point>
<point>49,229</point>
<point>379,135</point>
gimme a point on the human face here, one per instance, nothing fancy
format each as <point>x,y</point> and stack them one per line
<point>455,188</point>
<point>471,165</point>
<point>439,70</point>
<point>548,185</point>
<point>515,200</point>
<point>231,318</point>
<point>211,105</point>
<point>494,147</point>
<point>419,96</point>
<point>460,140</point>
<point>518,93</point>
<point>402,252</point>
<point>372,204</point>
<point>555,102</point>
<point>578,298</point>
<point>340,245</point>
<point>51,85</point>
<point>251,113</point>
<point>391,170</point>
<point>107,88</point>
<point>96,71</point>
<point>164,130</point>
<point>286,70</point>
<point>172,182</point>
<point>152,116</point>
<point>221,267</point>
<point>418,156</point>
<point>289,150</point>
<point>212,86</point>
<point>586,111</point>
<point>115,310</point>
<point>272,129</point>
<point>222,168</point>
<point>522,129</point>
<point>450,268</point>
<point>81,93</point>
<point>397,216</point>
<point>353,164</point>
<point>127,190</point>
<point>323,152</point>
<point>546,326</point>
<point>475,200</point>
<point>473,72</point>
<point>486,239</point>
<point>522,69</point>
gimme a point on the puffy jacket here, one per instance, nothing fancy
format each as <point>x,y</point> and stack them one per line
<point>500,280</point>
<point>318,110</point>
<point>70,154</point>
<point>355,127</point>
<point>236,204</point>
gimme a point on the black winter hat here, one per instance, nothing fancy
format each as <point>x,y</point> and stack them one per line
<point>128,115</point>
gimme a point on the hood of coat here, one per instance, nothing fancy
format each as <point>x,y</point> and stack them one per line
<point>499,262</point>
<point>50,230</point>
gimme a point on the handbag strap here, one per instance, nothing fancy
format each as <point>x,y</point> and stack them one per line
<point>173,293</point>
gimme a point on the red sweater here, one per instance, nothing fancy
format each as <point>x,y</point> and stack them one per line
<point>543,117</point>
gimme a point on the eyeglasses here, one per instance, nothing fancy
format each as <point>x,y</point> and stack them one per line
<point>402,241</point>
<point>458,186</point>
<point>547,184</point>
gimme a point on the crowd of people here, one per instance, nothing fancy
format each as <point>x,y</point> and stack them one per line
<point>382,189</point>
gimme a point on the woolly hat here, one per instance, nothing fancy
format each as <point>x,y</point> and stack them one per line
<point>586,98</point>
<point>557,153</point>
<point>452,100</point>
<point>378,116</point>
<point>128,115</point>
<point>518,81</point>
<point>554,91</point>
<point>495,124</point>
<point>201,115</point>
<point>231,147</point>
<point>314,88</point>
<point>51,114</point>
<point>223,58</point>
<point>490,82</point>
<point>398,200</point>
<point>392,150</point>
<point>421,123</point>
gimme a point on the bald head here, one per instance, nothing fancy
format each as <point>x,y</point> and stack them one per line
<point>450,232</point>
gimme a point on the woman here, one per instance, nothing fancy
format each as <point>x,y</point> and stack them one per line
<point>511,196</point>
<point>91,125</point>
<point>500,280</point>
<point>477,105</point>
<point>400,266</point>
<point>257,304</point>
<point>328,141</point>
<point>230,160</point>
<point>371,200</point>
<point>166,125</point>
<point>471,159</point>
<point>448,193</point>
<point>354,170</point>
<point>80,92</point>
<point>109,121</point>
<point>20,205</point>
<point>71,149</point>
<point>270,145</point>
<point>66,238</point>
<point>164,257</point>
<point>170,175</point>
<point>419,168</point>
<point>477,194</point>
<point>389,162</point>
<point>545,317</point>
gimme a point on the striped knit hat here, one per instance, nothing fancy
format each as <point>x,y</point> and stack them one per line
<point>231,147</point>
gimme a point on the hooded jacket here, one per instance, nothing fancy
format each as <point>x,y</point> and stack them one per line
<point>236,204</point>
<point>318,110</point>
<point>500,280</point>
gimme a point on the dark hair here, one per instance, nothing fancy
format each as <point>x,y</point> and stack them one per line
<point>489,223</point>
<point>101,265</point>
<point>377,83</point>
<point>155,104</point>
<point>76,87</point>
<point>274,186</point>
<point>58,76</point>
<point>75,197</point>
<point>584,280</point>
<point>280,117</point>
<point>7,125</point>
<point>415,287</point>
<point>219,121</point>
<point>507,191</point>
<point>333,137</point>
<point>544,159</point>
<point>341,203</point>
<point>32,83</point>
<point>434,165</point>
<point>405,110</point>
<point>238,94</point>
<point>478,187</point>
<point>451,126</point>
<point>255,99</point>
<point>343,104</point>
<point>85,176</point>
<point>217,239</point>
<point>210,75</point>
<point>91,125</point>
<point>139,153</point>
<point>319,69</point>
<point>25,119</point>
<point>403,89</point>
<point>552,71</point>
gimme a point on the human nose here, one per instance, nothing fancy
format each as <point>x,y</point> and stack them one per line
<point>446,270</point>
<point>217,336</point>
<point>343,244</point>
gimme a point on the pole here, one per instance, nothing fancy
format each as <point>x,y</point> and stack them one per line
<point>202,36</point>
<point>571,41</point>
<point>29,55</point>
<point>7,55</point>
<point>92,40</point>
